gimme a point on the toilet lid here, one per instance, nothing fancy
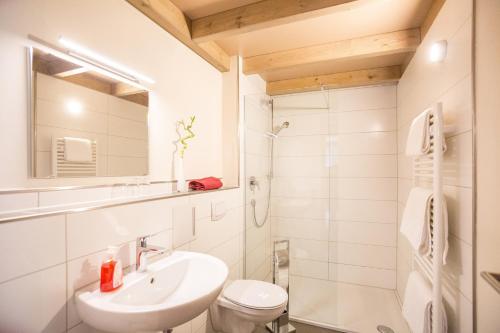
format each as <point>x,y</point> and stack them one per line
<point>255,294</point>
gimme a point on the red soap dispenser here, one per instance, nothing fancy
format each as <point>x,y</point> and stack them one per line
<point>111,271</point>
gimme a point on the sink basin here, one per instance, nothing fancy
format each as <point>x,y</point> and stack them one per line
<point>171,292</point>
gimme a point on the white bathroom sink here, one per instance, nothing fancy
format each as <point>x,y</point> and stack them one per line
<point>171,292</point>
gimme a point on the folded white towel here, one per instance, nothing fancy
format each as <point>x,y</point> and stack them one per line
<point>415,224</point>
<point>77,150</point>
<point>418,142</point>
<point>417,305</point>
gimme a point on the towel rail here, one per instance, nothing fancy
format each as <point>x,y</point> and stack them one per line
<point>428,170</point>
<point>63,168</point>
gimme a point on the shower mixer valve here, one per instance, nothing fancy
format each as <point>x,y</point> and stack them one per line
<point>254,183</point>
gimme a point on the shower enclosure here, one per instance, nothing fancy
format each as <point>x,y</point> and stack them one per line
<point>328,184</point>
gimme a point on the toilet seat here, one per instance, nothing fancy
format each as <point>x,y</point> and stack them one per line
<point>243,304</point>
<point>256,295</point>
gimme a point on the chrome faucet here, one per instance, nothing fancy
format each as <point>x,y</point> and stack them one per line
<point>143,251</point>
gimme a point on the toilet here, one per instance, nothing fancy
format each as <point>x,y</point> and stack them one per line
<point>245,303</point>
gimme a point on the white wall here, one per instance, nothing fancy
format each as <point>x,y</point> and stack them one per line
<point>47,259</point>
<point>449,82</point>
<point>185,83</point>
<point>487,80</point>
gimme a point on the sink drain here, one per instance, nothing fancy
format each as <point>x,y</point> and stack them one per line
<point>384,329</point>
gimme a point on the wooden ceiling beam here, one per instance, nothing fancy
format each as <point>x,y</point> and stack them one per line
<point>172,19</point>
<point>431,16</point>
<point>371,46</point>
<point>433,12</point>
<point>262,14</point>
<point>336,80</point>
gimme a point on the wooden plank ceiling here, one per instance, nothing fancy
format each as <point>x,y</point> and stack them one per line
<point>300,45</point>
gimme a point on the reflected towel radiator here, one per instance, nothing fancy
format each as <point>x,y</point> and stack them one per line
<point>63,168</point>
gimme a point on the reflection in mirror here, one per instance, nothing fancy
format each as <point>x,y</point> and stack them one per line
<point>84,123</point>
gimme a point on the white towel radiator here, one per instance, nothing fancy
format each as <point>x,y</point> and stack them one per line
<point>427,172</point>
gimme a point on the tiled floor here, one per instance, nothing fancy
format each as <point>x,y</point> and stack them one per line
<point>301,328</point>
<point>345,306</point>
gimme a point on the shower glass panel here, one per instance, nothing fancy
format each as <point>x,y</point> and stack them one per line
<point>258,145</point>
<point>333,196</point>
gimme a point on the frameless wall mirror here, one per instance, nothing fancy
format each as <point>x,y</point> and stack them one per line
<point>85,123</point>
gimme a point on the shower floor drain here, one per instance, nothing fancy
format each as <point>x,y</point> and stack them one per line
<point>384,329</point>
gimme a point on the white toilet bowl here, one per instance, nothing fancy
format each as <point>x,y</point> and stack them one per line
<point>245,303</point>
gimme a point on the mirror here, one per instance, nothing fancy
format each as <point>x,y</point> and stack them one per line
<point>85,123</point>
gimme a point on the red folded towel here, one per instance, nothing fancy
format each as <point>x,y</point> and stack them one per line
<point>203,184</point>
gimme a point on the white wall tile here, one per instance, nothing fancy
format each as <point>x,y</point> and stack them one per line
<point>457,162</point>
<point>304,145</point>
<point>210,234</point>
<point>356,166</point>
<point>364,188</point>
<point>457,106</point>
<point>183,224</point>
<point>459,267</point>
<point>363,255</point>
<point>92,231</point>
<point>257,143</point>
<point>18,201</point>
<point>309,249</point>
<point>66,197</point>
<point>460,213</point>
<point>300,228</point>
<point>364,233</point>
<point>309,268</point>
<point>367,276</point>
<point>364,143</point>
<point>300,208</point>
<point>382,120</point>
<point>255,258</point>
<point>379,97</point>
<point>311,166</point>
<point>305,123</point>
<point>300,187</point>
<point>30,245</point>
<point>306,101</point>
<point>228,251</point>
<point>372,210</point>
<point>35,303</point>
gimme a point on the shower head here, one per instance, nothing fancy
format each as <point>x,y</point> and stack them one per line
<point>279,128</point>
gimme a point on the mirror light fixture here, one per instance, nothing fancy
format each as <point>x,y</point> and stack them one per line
<point>79,51</point>
<point>124,75</point>
<point>437,52</point>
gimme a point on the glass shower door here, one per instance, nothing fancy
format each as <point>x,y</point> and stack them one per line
<point>258,125</point>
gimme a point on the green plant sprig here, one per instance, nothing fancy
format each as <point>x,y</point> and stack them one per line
<point>189,133</point>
